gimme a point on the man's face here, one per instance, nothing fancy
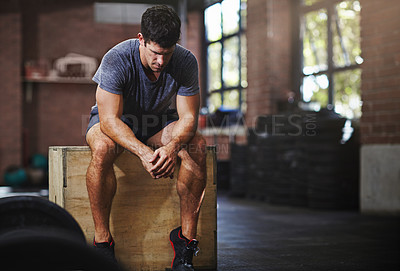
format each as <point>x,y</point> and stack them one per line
<point>156,57</point>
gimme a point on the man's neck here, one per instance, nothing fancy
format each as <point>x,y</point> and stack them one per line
<point>153,76</point>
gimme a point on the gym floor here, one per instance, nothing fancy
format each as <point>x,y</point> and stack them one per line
<point>254,235</point>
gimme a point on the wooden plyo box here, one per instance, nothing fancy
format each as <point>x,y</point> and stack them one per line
<point>144,210</point>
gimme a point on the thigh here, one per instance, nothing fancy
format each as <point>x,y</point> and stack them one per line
<point>163,137</point>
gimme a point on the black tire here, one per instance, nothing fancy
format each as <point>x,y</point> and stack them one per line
<point>36,233</point>
<point>38,249</point>
<point>26,212</point>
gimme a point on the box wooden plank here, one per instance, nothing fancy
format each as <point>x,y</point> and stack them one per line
<point>144,210</point>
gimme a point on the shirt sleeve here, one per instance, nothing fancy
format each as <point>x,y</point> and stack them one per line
<point>110,75</point>
<point>190,77</point>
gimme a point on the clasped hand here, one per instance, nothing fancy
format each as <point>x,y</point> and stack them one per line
<point>161,164</point>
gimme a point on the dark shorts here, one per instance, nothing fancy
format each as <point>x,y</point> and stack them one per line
<point>144,126</point>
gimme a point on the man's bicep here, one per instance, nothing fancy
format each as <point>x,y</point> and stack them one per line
<point>188,105</point>
<point>110,105</point>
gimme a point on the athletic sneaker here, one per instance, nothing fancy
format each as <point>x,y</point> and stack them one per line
<point>107,249</point>
<point>183,251</point>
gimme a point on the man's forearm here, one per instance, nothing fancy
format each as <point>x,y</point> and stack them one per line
<point>184,130</point>
<point>120,133</point>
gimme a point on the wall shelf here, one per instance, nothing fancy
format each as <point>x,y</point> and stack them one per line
<point>60,80</point>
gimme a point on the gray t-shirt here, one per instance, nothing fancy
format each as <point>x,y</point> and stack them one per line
<point>121,72</point>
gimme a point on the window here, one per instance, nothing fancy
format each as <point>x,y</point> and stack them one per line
<point>226,55</point>
<point>330,41</point>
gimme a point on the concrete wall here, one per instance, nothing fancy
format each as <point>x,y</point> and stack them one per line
<point>380,175</point>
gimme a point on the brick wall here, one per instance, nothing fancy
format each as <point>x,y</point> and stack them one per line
<point>194,39</point>
<point>268,56</point>
<point>11,94</point>
<point>69,26</point>
<point>62,109</point>
<point>380,81</point>
<point>279,36</point>
<point>63,114</point>
<point>258,92</point>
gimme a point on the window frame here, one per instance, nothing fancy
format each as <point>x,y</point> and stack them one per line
<point>241,31</point>
<point>331,70</point>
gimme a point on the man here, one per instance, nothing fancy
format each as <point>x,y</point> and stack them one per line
<point>137,80</point>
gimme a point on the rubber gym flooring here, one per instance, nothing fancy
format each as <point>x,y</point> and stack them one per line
<point>254,235</point>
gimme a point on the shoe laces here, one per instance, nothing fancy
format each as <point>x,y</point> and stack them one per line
<point>191,249</point>
<point>196,251</point>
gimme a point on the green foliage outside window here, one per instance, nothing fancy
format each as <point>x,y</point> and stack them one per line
<point>341,74</point>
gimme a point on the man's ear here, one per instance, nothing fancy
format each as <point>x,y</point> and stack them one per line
<point>141,39</point>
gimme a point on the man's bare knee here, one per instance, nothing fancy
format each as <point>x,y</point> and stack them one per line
<point>104,150</point>
<point>193,156</point>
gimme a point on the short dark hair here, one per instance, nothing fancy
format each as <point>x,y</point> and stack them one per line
<point>161,24</point>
